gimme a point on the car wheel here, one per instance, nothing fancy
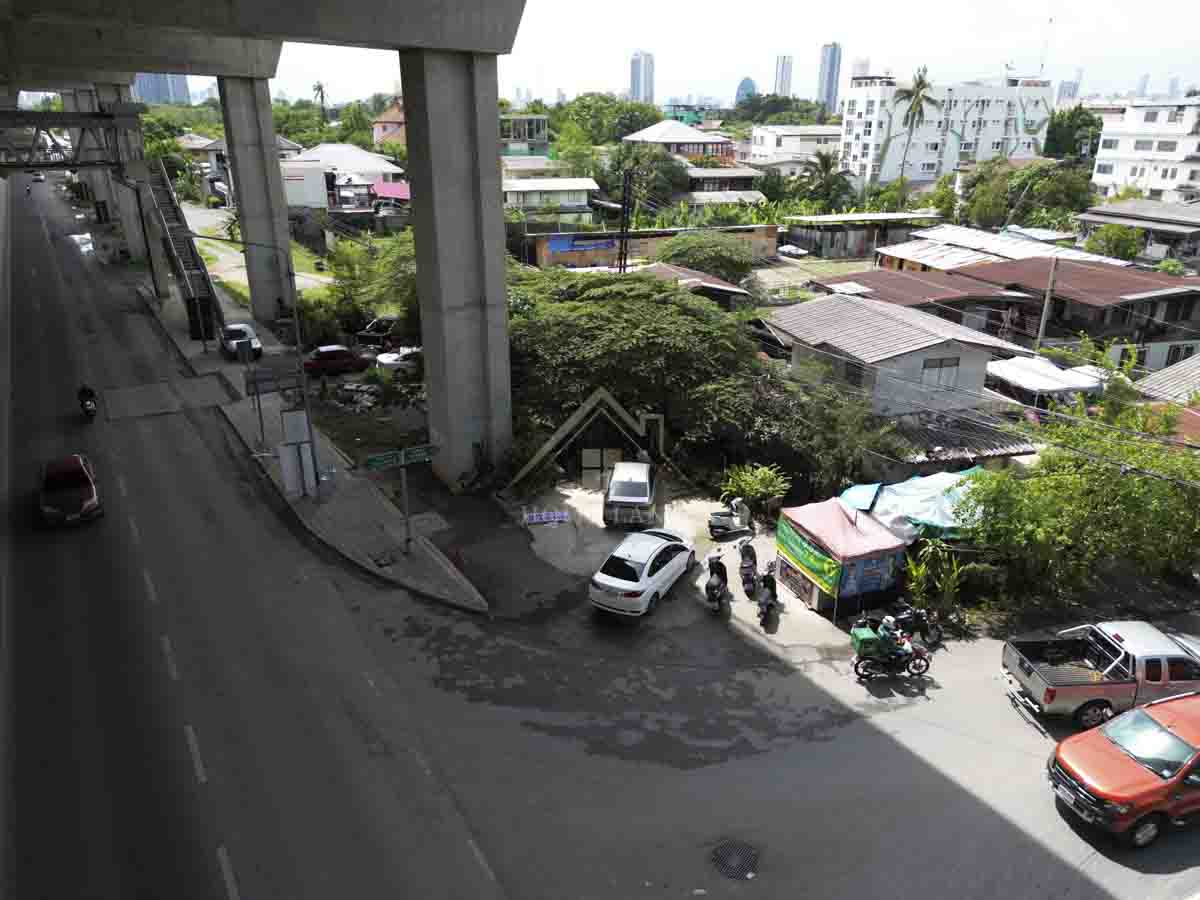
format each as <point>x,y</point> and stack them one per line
<point>1145,831</point>
<point>652,606</point>
<point>1092,714</point>
<point>691,563</point>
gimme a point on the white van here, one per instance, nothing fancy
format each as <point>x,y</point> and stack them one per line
<point>629,499</point>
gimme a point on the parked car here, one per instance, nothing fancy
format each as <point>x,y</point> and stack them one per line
<point>408,361</point>
<point>770,340</point>
<point>630,496</point>
<point>1137,775</point>
<point>381,333</point>
<point>39,176</point>
<point>640,572</point>
<point>334,359</point>
<point>68,491</point>
<point>1093,672</point>
<point>793,251</point>
<point>231,334</point>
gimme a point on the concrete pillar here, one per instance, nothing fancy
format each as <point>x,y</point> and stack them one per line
<point>97,180</point>
<point>458,226</point>
<point>129,150</point>
<point>262,207</point>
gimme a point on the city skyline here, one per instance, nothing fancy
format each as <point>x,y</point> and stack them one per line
<point>783,76</point>
<point>829,76</point>
<point>641,77</point>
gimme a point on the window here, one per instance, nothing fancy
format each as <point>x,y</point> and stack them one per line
<point>1154,670</point>
<point>850,104</point>
<point>1168,146</point>
<point>867,128</point>
<point>1143,145</point>
<point>870,107</point>
<point>942,372</point>
<point>1171,174</point>
<point>1176,115</point>
<point>933,147</point>
<point>862,169</point>
<point>1194,175</point>
<point>1104,168</point>
<point>1179,352</point>
<point>997,145</point>
<point>1109,144</point>
<point>968,145</point>
<point>846,148</point>
<point>1156,194</point>
<point>1127,352</point>
<point>1180,668</point>
<point>928,167</point>
<point>1151,116</point>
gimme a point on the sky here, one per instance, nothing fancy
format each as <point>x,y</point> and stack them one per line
<point>707,47</point>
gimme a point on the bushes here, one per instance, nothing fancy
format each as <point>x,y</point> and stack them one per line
<point>755,484</point>
<point>711,252</point>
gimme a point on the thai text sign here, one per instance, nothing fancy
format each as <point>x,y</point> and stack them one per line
<point>824,572</point>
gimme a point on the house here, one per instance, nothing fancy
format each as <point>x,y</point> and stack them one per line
<point>788,166</point>
<point>729,179</point>
<point>854,235</point>
<point>1010,315</point>
<point>532,167</point>
<point>219,175</point>
<point>1154,314</point>
<point>773,143</point>
<point>524,135</point>
<point>677,138</point>
<point>1009,247</point>
<point>195,146</point>
<point>559,200</point>
<point>1154,146</point>
<point>1177,383</point>
<point>1172,229</point>
<point>391,194</point>
<point>928,256</point>
<point>1043,235</point>
<point>391,124</point>
<point>721,292</point>
<point>347,159</point>
<point>600,248</point>
<point>975,120</point>
<point>690,113</point>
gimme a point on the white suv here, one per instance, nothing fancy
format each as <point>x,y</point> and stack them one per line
<point>643,568</point>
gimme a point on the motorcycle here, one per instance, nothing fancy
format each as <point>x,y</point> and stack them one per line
<point>770,607</point>
<point>734,519</point>
<point>748,569</point>
<point>716,589</point>
<point>88,406</point>
<point>914,662</point>
<point>910,620</point>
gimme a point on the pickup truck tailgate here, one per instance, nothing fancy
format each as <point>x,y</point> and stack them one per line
<point>1025,684</point>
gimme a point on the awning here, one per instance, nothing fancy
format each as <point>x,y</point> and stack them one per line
<point>1168,227</point>
<point>392,190</point>
<point>1039,375</point>
<point>920,506</point>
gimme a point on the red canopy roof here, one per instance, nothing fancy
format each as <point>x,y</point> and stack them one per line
<point>848,534</point>
<point>392,190</point>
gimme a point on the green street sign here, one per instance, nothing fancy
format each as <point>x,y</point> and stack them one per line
<point>381,461</point>
<point>421,453</point>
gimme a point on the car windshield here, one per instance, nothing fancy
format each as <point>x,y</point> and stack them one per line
<point>235,334</point>
<point>628,489</point>
<point>622,569</point>
<point>1151,745</point>
<point>68,480</point>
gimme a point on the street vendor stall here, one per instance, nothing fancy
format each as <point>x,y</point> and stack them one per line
<point>829,552</point>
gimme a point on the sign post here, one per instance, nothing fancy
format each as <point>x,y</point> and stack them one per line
<point>401,459</point>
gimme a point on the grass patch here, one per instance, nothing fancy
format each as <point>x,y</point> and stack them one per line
<point>833,267</point>
<point>210,258</point>
<point>360,435</point>
<point>238,293</point>
<point>303,259</point>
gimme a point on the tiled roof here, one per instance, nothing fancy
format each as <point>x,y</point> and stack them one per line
<point>911,288</point>
<point>1088,283</point>
<point>872,331</point>
<point>933,437</point>
<point>394,113</point>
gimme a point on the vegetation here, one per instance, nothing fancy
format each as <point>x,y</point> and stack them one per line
<point>755,484</point>
<point>1073,132</point>
<point>823,181</point>
<point>603,118</point>
<point>712,252</point>
<point>1172,267</point>
<point>658,176</point>
<point>1045,195</point>
<point>914,97</point>
<point>1119,241</point>
<point>773,109</point>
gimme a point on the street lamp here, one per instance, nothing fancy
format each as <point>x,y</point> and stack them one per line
<point>312,443</point>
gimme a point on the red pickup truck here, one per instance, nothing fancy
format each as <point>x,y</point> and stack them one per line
<point>1136,775</point>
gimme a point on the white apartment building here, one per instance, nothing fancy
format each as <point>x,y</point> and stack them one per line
<point>778,143</point>
<point>1154,146</point>
<point>977,120</point>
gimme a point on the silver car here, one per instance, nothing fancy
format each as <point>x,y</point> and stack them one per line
<point>629,499</point>
<point>640,572</point>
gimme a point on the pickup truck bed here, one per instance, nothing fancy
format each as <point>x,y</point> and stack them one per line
<point>1063,662</point>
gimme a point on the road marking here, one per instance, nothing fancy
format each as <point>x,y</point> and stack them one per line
<point>370,682</point>
<point>169,656</point>
<point>150,591</point>
<point>421,761</point>
<point>121,486</point>
<point>231,889</point>
<point>194,747</point>
<point>137,535</point>
<point>482,862</point>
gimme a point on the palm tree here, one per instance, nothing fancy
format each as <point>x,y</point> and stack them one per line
<point>319,95</point>
<point>917,97</point>
<point>823,179</point>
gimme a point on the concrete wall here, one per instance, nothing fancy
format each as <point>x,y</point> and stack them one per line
<point>599,248</point>
<point>899,395</point>
<point>849,241</point>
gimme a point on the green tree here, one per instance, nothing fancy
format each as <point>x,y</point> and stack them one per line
<point>1128,192</point>
<point>712,252</point>
<point>576,150</point>
<point>319,94</point>
<point>774,185</point>
<point>396,151</point>
<point>354,126</point>
<point>659,177</point>
<point>52,103</point>
<point>1172,267</point>
<point>914,97</point>
<point>1073,132</point>
<point>943,197</point>
<point>823,180</point>
<point>1118,241</point>
<point>989,203</point>
<point>596,114</point>
<point>633,117</point>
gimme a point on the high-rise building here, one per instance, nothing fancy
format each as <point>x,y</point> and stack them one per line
<point>860,67</point>
<point>1068,91</point>
<point>746,88</point>
<point>158,87</point>
<point>1143,86</point>
<point>641,77</point>
<point>1173,90</point>
<point>783,76</point>
<point>827,80</point>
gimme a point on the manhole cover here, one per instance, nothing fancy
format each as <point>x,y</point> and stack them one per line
<point>735,859</point>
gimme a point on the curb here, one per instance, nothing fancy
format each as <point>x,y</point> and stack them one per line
<point>475,602</point>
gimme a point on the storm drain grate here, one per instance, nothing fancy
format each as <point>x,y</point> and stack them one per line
<point>735,859</point>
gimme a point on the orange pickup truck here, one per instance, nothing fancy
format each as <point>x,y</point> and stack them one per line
<point>1136,775</point>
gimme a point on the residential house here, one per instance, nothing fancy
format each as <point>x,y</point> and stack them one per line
<point>690,113</point>
<point>556,201</point>
<point>1150,313</point>
<point>1153,146</point>
<point>975,121</point>
<point>1177,383</point>
<point>219,175</point>
<point>684,140</point>
<point>775,143</point>
<point>391,124</point>
<point>524,135</point>
<point>195,147</point>
<point>1172,229</point>
<point>724,185</point>
<point>930,253</point>
<point>532,167</point>
<point>348,159</point>
<point>854,235</point>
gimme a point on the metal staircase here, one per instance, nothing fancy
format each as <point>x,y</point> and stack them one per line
<point>199,295</point>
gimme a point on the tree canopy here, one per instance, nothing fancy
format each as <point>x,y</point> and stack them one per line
<point>1073,132</point>
<point>711,252</point>
<point>1119,241</point>
<point>604,118</point>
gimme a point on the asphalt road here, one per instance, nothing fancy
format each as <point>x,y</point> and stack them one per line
<point>207,705</point>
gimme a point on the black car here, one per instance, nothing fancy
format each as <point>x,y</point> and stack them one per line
<point>382,333</point>
<point>68,491</point>
<point>770,340</point>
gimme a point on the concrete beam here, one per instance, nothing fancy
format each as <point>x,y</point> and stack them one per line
<point>122,48</point>
<point>29,77</point>
<point>477,26</point>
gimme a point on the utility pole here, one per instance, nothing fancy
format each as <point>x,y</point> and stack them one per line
<point>626,210</point>
<point>1046,304</point>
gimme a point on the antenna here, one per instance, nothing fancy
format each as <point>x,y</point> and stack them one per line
<point>1046,46</point>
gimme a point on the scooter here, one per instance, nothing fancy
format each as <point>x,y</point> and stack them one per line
<point>716,589</point>
<point>734,519</point>
<point>748,569</point>
<point>913,660</point>
<point>910,620</point>
<point>88,406</point>
<point>770,607</point>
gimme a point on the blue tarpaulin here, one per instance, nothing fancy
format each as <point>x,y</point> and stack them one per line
<point>921,506</point>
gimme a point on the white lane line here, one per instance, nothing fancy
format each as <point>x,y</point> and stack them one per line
<point>231,888</point>
<point>169,656</point>
<point>421,761</point>
<point>482,861</point>
<point>121,486</point>
<point>151,592</point>
<point>133,529</point>
<point>371,682</point>
<point>194,747</point>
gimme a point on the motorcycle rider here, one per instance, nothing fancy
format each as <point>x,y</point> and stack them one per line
<point>891,639</point>
<point>85,394</point>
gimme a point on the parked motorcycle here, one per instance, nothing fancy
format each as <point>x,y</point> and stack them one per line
<point>914,662</point>
<point>910,620</point>
<point>716,589</point>
<point>734,519</point>
<point>748,569</point>
<point>770,607</point>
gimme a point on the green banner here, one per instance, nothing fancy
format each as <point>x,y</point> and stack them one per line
<point>824,572</point>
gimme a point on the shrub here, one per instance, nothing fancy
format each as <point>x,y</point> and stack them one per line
<point>755,483</point>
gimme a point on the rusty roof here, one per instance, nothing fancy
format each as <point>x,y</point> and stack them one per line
<point>911,288</point>
<point>1088,283</point>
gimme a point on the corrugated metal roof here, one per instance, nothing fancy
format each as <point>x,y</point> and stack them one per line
<point>1089,283</point>
<point>1046,235</point>
<point>1133,222</point>
<point>689,278</point>
<point>668,131</point>
<point>940,438</point>
<point>703,198</point>
<point>1041,376</point>
<point>1153,210</point>
<point>937,255</point>
<point>1176,383</point>
<point>872,331</point>
<point>517,163</point>
<point>1007,247</point>
<point>723,173</point>
<point>803,130</point>
<point>912,288</point>
<point>848,218</point>
<point>525,185</point>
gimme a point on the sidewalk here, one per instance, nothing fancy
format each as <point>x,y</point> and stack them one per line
<point>353,516</point>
